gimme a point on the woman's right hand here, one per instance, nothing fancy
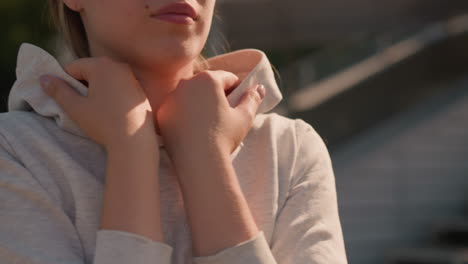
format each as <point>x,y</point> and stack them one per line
<point>116,107</point>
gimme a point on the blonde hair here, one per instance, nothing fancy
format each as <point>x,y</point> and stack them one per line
<point>72,31</point>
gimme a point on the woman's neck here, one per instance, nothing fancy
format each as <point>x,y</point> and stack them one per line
<point>158,85</point>
<point>156,80</point>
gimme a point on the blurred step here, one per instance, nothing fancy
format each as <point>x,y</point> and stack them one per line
<point>451,233</point>
<point>428,255</point>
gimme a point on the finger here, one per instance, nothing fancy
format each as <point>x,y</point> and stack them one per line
<point>65,96</point>
<point>228,79</point>
<point>80,69</point>
<point>251,100</point>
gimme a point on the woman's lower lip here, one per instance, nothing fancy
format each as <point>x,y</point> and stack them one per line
<point>175,18</point>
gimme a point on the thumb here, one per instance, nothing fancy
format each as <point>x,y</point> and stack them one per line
<point>251,100</point>
<point>68,99</point>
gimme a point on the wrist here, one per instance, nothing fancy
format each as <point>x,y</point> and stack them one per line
<point>195,160</point>
<point>195,150</point>
<point>132,144</point>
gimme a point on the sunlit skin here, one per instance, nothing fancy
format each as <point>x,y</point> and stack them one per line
<point>160,53</point>
<point>131,53</point>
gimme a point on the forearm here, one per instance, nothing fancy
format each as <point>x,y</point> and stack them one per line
<point>131,195</point>
<point>218,213</point>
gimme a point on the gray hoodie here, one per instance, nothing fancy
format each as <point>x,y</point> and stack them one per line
<point>52,177</point>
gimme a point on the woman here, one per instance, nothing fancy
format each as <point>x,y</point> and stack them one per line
<point>141,151</point>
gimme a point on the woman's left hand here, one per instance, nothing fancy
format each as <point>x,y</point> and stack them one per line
<point>197,113</point>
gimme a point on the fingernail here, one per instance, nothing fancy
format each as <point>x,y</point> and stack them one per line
<point>261,90</point>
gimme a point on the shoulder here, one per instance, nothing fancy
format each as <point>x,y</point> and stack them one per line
<point>21,126</point>
<point>296,141</point>
<point>12,116</point>
<point>291,148</point>
<point>18,119</point>
<point>26,125</point>
<point>292,130</point>
<point>12,124</point>
<point>26,134</point>
<point>28,143</point>
<point>283,122</point>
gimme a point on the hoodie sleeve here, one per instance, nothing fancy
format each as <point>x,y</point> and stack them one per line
<point>307,229</point>
<point>35,229</point>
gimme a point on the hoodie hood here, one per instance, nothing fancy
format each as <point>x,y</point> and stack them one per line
<point>250,65</point>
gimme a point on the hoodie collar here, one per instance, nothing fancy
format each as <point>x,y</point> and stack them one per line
<point>250,65</point>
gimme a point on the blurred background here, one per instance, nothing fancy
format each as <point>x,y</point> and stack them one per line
<point>385,83</point>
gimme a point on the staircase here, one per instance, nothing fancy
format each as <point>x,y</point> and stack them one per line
<point>449,245</point>
<point>379,177</point>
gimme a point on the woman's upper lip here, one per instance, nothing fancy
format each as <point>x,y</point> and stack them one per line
<point>177,8</point>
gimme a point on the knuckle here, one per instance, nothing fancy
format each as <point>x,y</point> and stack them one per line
<point>91,63</point>
<point>104,60</point>
<point>183,83</point>
<point>230,74</point>
<point>71,66</point>
<point>204,74</point>
<point>118,65</point>
<point>68,67</point>
<point>254,95</point>
<point>207,80</point>
<point>207,76</point>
